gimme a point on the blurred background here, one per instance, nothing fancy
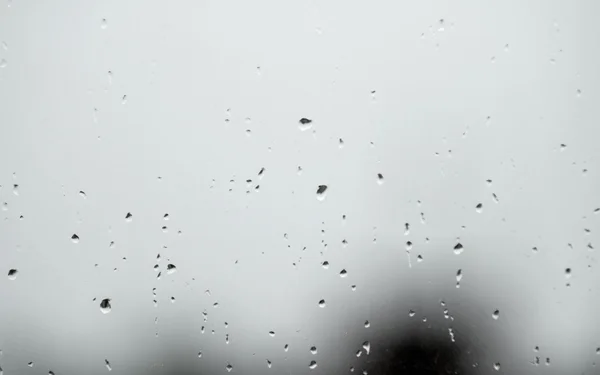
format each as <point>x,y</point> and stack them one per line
<point>319,187</point>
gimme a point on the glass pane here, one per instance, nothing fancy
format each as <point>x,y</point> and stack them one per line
<point>334,187</point>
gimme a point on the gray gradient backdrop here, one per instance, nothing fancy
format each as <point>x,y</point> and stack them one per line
<point>173,107</point>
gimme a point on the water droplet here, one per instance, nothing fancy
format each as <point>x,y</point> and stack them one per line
<point>305,124</point>
<point>313,350</point>
<point>495,197</point>
<point>108,365</point>
<point>3,63</point>
<point>268,363</point>
<point>5,206</point>
<point>489,182</point>
<point>459,275</point>
<point>16,189</point>
<point>30,364</point>
<point>578,93</point>
<point>406,229</point>
<point>128,217</point>
<point>171,269</point>
<point>103,24</point>
<point>496,314</point>
<point>75,238</point>
<point>408,245</point>
<point>563,146</point>
<point>322,303</point>
<point>12,274</point>
<point>299,170</point>
<point>380,179</point>
<point>312,365</point>
<point>479,208</point>
<point>567,273</point>
<point>497,366</point>
<point>506,48</point>
<point>367,324</point>
<point>343,273</point>
<point>229,367</point>
<point>82,194</point>
<point>458,248</point>
<point>105,306</point>
<point>411,313</point>
<point>272,333</point>
<point>199,354</point>
<point>367,347</point>
<point>286,347</point>
<point>321,192</point>
<point>353,287</point>
<point>124,99</point>
<point>4,46</point>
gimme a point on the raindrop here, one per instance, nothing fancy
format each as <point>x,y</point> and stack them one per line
<point>12,274</point>
<point>367,324</point>
<point>5,206</point>
<point>268,363</point>
<point>124,99</point>
<point>567,273</point>
<point>313,350</point>
<point>312,365</point>
<point>379,178</point>
<point>325,264</point>
<point>75,238</point>
<point>406,229</point>
<point>171,269</point>
<point>458,248</point>
<point>3,63</point>
<point>411,313</point>
<point>419,258</point>
<point>305,124</point>
<point>4,46</point>
<point>322,303</point>
<point>497,366</point>
<point>286,347</point>
<point>128,217</point>
<point>489,182</point>
<point>103,23</point>
<point>408,245</point>
<point>166,216</point>
<point>496,314</point>
<point>353,287</point>
<point>299,170</point>
<point>105,306</point>
<point>108,365</point>
<point>82,193</point>
<point>272,333</point>
<point>16,189</point>
<point>172,299</point>
<point>479,208</point>
<point>30,364</point>
<point>343,273</point>
<point>321,192</point>
<point>229,367</point>
<point>200,354</point>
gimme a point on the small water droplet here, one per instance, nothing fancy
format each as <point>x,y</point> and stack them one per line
<point>321,192</point>
<point>299,170</point>
<point>305,124</point>
<point>75,238</point>
<point>411,313</point>
<point>353,287</point>
<point>105,306</point>
<point>312,365</point>
<point>419,258</point>
<point>496,314</point>
<point>272,333</point>
<point>497,366</point>
<point>567,273</point>
<point>171,269</point>
<point>286,347</point>
<point>409,245</point>
<point>30,364</point>
<point>367,324</point>
<point>3,63</point>
<point>479,208</point>
<point>5,206</point>
<point>12,274</point>
<point>343,273</point>
<point>16,189</point>
<point>4,46</point>
<point>103,24</point>
<point>313,350</point>
<point>380,179</point>
<point>268,363</point>
<point>128,217</point>
<point>506,48</point>
<point>322,303</point>
<point>124,99</point>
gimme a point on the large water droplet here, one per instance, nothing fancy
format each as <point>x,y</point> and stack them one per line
<point>312,365</point>
<point>12,274</point>
<point>305,124</point>
<point>343,273</point>
<point>322,303</point>
<point>75,238</point>
<point>171,269</point>
<point>458,248</point>
<point>496,314</point>
<point>321,192</point>
<point>313,350</point>
<point>105,306</point>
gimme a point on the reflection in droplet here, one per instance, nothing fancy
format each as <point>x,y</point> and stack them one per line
<point>105,306</point>
<point>12,274</point>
